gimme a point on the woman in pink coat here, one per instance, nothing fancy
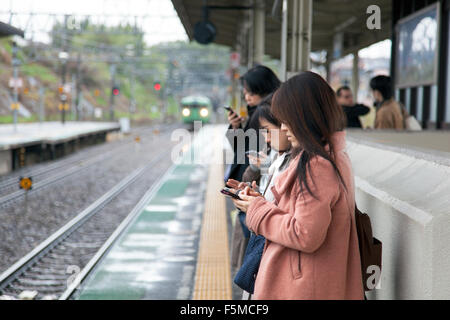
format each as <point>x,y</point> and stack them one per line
<point>311,250</point>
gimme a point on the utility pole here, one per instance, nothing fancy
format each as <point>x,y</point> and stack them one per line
<point>15,104</point>
<point>132,98</point>
<point>63,97</point>
<point>63,56</point>
<point>137,52</point>
<point>41,104</point>
<point>73,95</point>
<point>112,70</point>
<point>78,88</point>
<point>166,90</point>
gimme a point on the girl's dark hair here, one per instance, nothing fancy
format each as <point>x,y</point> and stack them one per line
<point>382,84</point>
<point>308,106</point>
<point>263,111</point>
<point>260,80</point>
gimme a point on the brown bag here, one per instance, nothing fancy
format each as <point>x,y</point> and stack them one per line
<point>369,248</point>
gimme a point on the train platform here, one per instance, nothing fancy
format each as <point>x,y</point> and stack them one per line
<point>176,243</point>
<point>29,141</point>
<point>176,246</point>
<point>49,132</point>
<point>435,143</point>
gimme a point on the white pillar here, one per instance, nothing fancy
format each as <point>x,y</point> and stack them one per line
<point>304,36</point>
<point>284,36</point>
<point>251,36</point>
<point>259,31</point>
<point>293,54</point>
<point>355,75</point>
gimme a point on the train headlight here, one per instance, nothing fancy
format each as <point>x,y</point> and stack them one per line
<point>204,112</point>
<point>186,112</point>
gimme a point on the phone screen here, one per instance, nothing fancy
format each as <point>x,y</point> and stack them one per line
<point>227,192</point>
<point>253,154</point>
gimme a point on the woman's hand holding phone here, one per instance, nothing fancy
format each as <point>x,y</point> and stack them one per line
<point>234,194</point>
<point>234,184</point>
<point>247,196</point>
<point>233,118</point>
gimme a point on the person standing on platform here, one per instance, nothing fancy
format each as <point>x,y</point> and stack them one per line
<point>258,83</point>
<point>280,146</point>
<point>390,115</point>
<point>352,111</point>
<point>311,249</point>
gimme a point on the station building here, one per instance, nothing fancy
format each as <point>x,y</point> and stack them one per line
<point>290,29</point>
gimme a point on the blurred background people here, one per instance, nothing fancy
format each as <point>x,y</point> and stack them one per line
<point>352,111</point>
<point>390,114</point>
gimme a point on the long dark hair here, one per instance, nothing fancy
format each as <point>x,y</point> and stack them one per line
<point>260,80</point>
<point>263,111</point>
<point>308,106</point>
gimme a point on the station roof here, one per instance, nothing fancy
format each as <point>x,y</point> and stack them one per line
<point>329,17</point>
<point>8,30</point>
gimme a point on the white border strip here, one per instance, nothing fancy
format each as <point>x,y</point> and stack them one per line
<point>414,213</point>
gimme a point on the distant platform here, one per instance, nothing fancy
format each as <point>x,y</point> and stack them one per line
<point>49,132</point>
<point>37,142</point>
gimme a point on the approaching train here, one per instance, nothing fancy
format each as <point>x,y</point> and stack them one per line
<point>196,108</point>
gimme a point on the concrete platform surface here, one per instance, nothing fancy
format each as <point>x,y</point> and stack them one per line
<point>49,132</point>
<point>435,142</point>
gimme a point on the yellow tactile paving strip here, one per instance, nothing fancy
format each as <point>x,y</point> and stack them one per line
<point>213,278</point>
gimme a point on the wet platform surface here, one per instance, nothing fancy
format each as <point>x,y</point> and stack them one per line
<point>161,254</point>
<point>155,258</point>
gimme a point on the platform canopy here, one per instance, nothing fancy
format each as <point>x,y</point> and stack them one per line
<point>330,17</point>
<point>8,30</point>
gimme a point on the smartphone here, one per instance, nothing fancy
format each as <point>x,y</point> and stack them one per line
<point>253,154</point>
<point>226,191</point>
<point>229,109</point>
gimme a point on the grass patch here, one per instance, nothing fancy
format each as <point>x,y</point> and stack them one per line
<point>39,71</point>
<point>9,119</point>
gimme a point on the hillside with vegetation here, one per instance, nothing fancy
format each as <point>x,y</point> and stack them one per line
<point>102,57</point>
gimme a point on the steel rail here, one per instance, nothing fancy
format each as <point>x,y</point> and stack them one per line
<point>18,268</point>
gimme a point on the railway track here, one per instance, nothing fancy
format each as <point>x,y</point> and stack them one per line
<point>11,182</point>
<point>47,271</point>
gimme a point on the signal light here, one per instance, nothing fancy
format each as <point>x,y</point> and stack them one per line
<point>115,91</point>
<point>157,86</point>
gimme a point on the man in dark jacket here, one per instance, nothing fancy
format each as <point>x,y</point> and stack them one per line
<point>352,111</point>
<point>240,161</point>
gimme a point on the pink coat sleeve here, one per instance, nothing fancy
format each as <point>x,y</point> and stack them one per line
<point>306,228</point>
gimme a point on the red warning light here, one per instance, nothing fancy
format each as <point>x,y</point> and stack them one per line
<point>157,86</point>
<point>115,91</point>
